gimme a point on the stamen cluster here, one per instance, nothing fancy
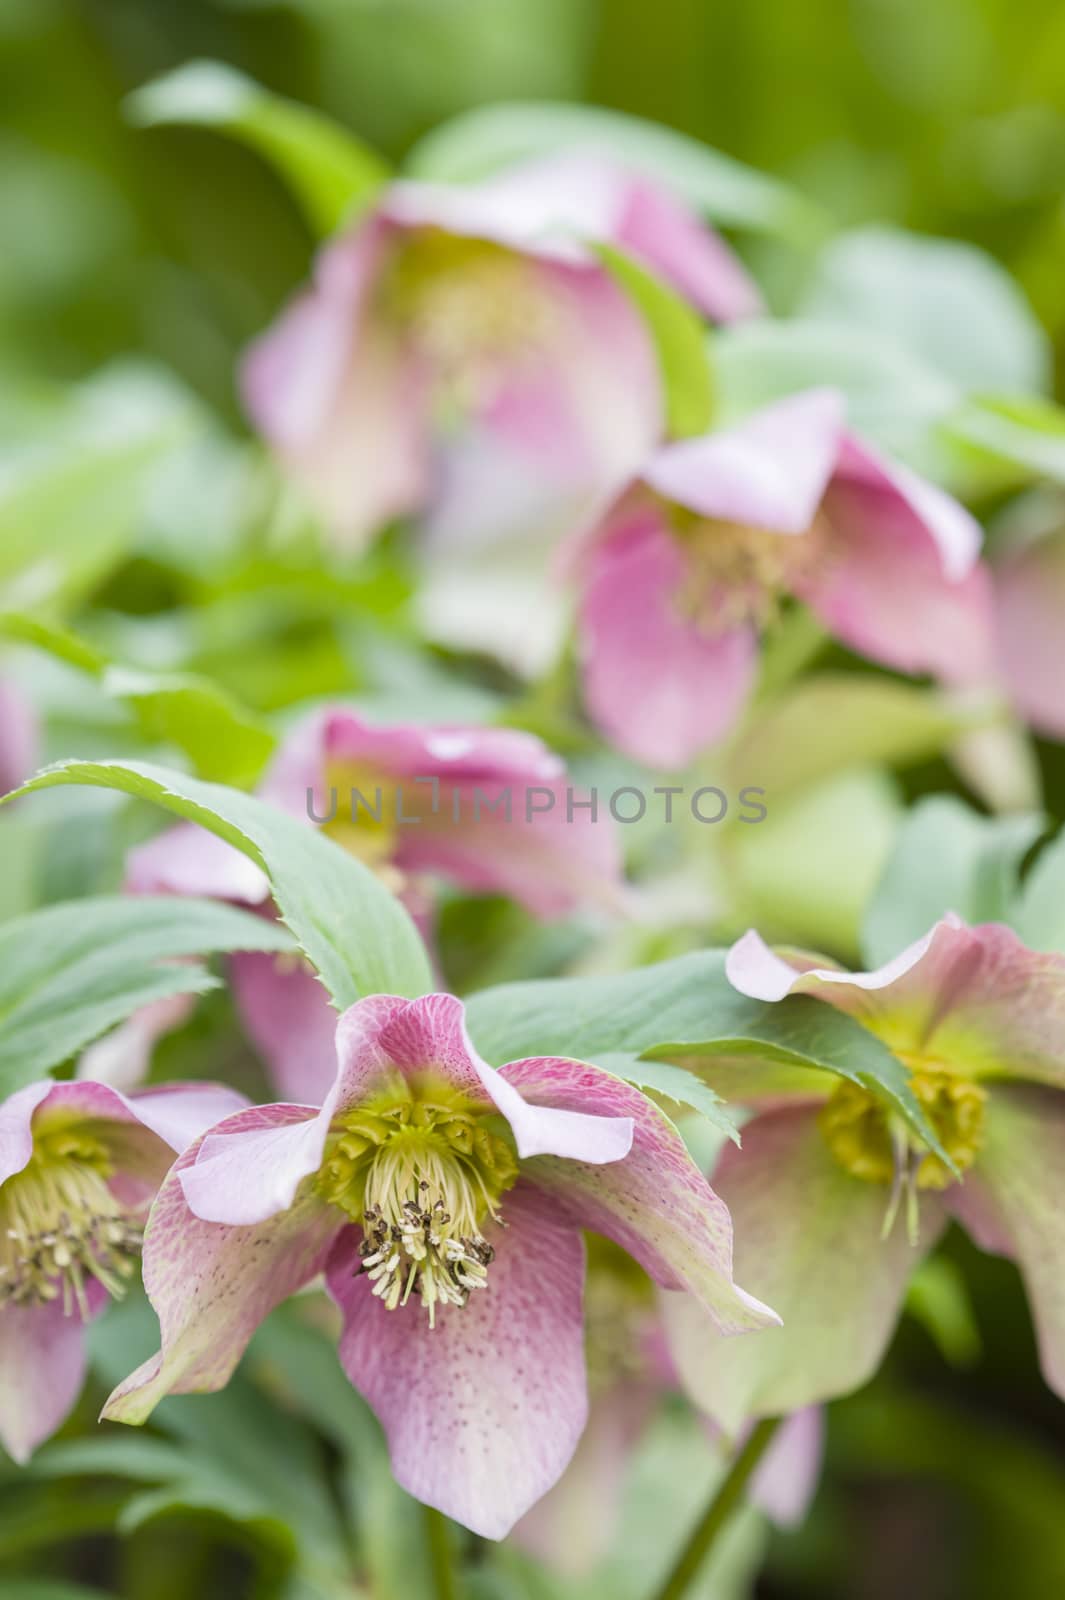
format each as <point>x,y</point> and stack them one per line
<point>420,1168</point>
<point>61,1226</point>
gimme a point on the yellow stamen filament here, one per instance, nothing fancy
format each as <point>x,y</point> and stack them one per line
<point>421,1168</point>
<point>61,1226</point>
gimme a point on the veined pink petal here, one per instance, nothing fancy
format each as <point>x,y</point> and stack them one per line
<point>658,685</point>
<point>655,1203</point>
<point>1029,588</point>
<point>808,1240</point>
<point>482,1412</point>
<point>674,243</point>
<point>288,1016</point>
<point>189,860</point>
<point>971,997</point>
<point>42,1368</point>
<point>16,1126</point>
<point>414,1036</point>
<point>1013,1203</point>
<point>249,1168</point>
<point>769,471</point>
<point>900,580</point>
<point>211,1284</point>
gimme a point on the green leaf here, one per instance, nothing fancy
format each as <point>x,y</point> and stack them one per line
<point>331,173</point>
<point>71,971</point>
<point>1038,912</point>
<point>893,397</point>
<point>352,930</point>
<point>835,721</point>
<point>680,344</point>
<point>686,1010</point>
<point>223,740</point>
<point>950,303</point>
<point>663,1080</point>
<point>70,502</point>
<point>478,142</point>
<point>1024,433</point>
<point>946,858</point>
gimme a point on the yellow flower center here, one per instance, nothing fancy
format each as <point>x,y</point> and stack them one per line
<point>872,1143</point>
<point>420,1167</point>
<point>60,1225</point>
<point>364,823</point>
<point>470,307</point>
<point>738,574</point>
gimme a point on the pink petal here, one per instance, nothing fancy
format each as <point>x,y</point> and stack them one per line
<point>900,580</point>
<point>573,1526</point>
<point>413,1035</point>
<point>337,394</point>
<point>808,1241</point>
<point>1029,587</point>
<point>658,686</point>
<point>482,1412</point>
<point>42,1368</point>
<point>976,998</point>
<point>19,736</point>
<point>661,232</point>
<point>249,1169</point>
<point>189,860</point>
<point>786,1480</point>
<point>211,1285</point>
<point>288,1017</point>
<point>551,854</point>
<point>769,471</point>
<point>123,1056</point>
<point>16,1126</point>
<point>655,1203</point>
<point>1013,1202</point>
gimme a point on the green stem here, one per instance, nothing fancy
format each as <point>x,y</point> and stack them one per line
<point>717,1513</point>
<point>438,1544</point>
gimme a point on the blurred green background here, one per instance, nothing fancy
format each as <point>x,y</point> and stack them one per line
<point>946,116</point>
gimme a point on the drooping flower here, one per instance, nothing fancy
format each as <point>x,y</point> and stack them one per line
<point>835,1200</point>
<point>692,562</point>
<point>443,1200</point>
<point>79,1165</point>
<point>463,353</point>
<point>630,1376</point>
<point>488,809</point>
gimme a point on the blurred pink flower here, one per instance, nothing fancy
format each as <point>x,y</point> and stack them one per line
<point>691,563</point>
<point>79,1165</point>
<point>443,1200</point>
<point>978,1021</point>
<point>551,860</point>
<point>1029,588</point>
<point>463,353</point>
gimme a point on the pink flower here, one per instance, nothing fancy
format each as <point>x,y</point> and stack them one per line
<point>536,846</point>
<point>79,1164</point>
<point>463,354</point>
<point>690,564</point>
<point>978,1021</point>
<point>630,1375</point>
<point>443,1200</point>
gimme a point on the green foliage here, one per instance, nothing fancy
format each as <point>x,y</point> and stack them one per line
<point>331,173</point>
<point>352,930</point>
<point>70,972</point>
<point>679,342</point>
